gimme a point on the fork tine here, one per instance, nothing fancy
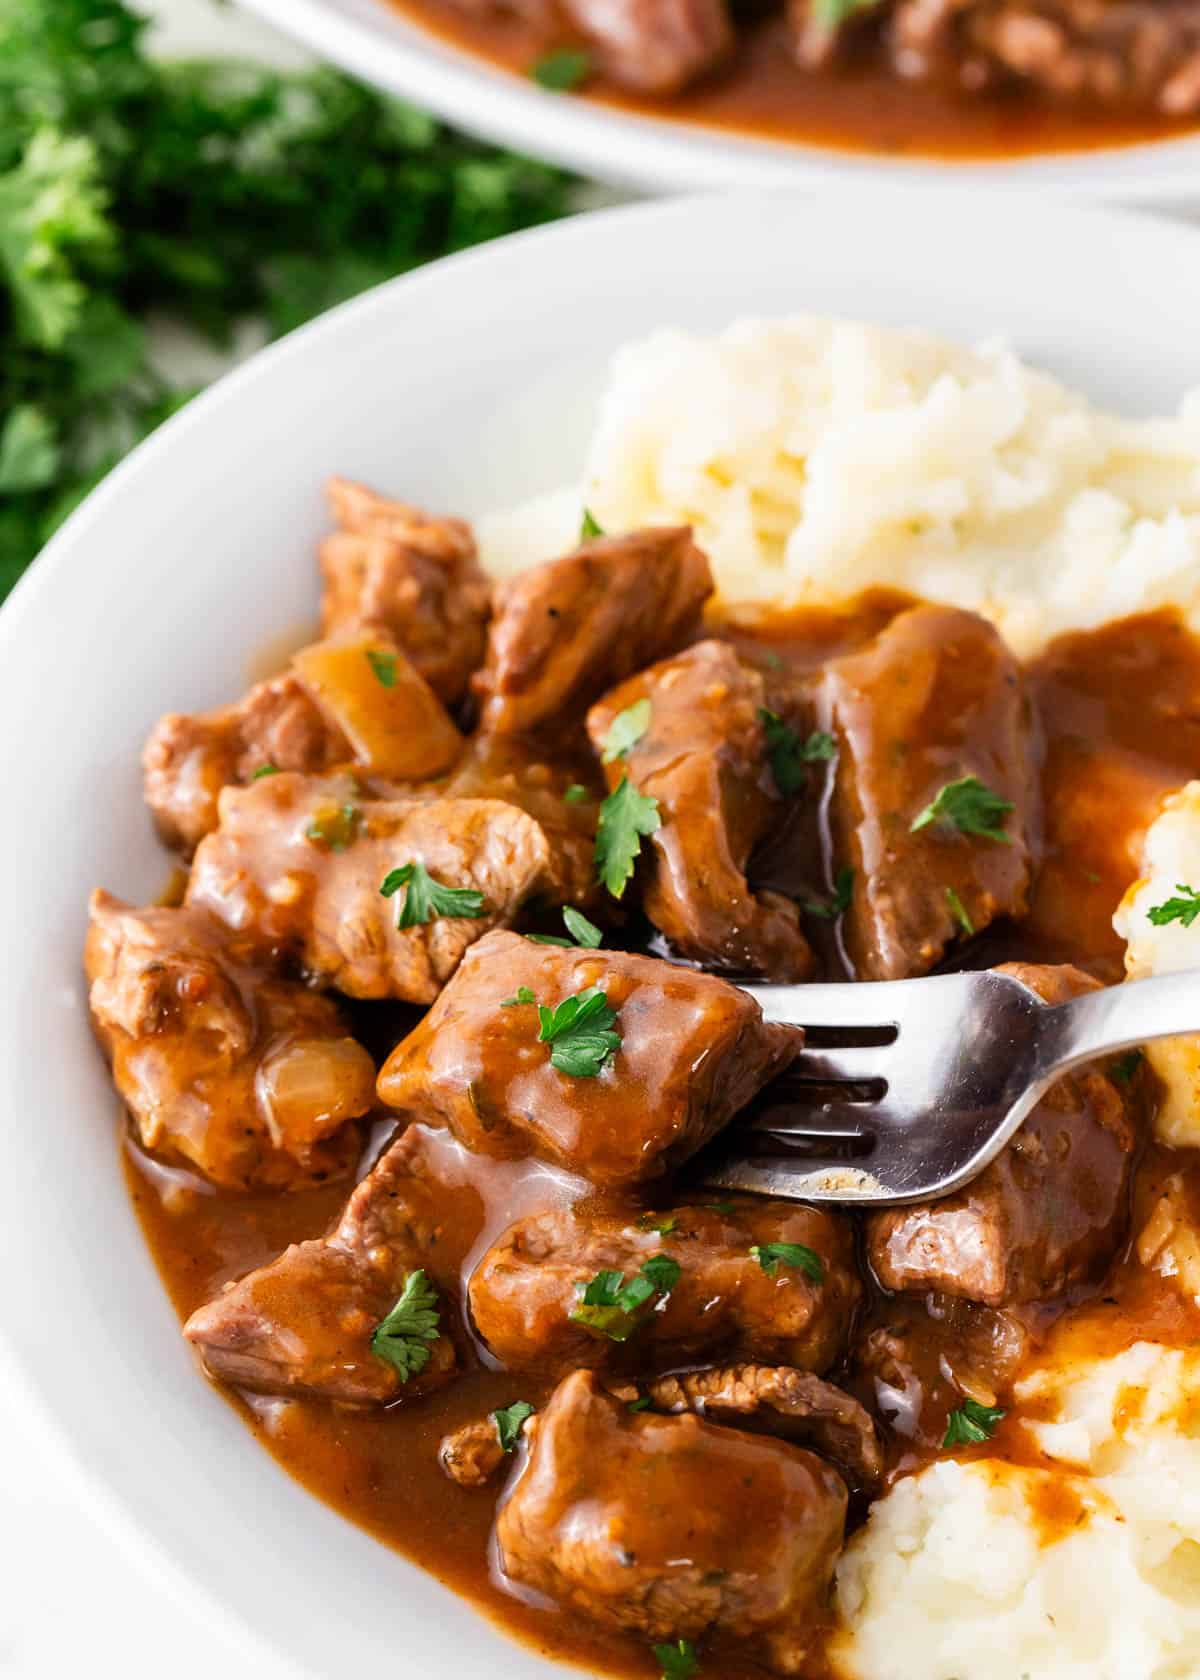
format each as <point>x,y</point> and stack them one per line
<point>812,1179</point>
<point>842,1062</point>
<point>835,1117</point>
<point>870,1005</point>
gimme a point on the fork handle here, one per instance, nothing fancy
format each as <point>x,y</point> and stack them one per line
<point>1118,1018</point>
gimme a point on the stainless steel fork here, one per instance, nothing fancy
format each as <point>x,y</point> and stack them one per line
<point>906,1089</point>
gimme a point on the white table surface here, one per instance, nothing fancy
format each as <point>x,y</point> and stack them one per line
<point>72,1602</point>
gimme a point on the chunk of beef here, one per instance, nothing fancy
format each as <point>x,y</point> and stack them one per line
<point>1049,1210</point>
<point>655,46</point>
<point>303,1324</point>
<point>331,707</point>
<point>703,757</point>
<point>1137,53</point>
<point>297,864</point>
<point>693,1051</point>
<point>670,1527</point>
<point>472,1454</point>
<point>527,1289</point>
<point>393,567</point>
<point>567,630</point>
<point>935,699</point>
<point>248,1077</point>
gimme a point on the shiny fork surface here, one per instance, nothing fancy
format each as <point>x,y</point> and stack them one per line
<point>908,1088</point>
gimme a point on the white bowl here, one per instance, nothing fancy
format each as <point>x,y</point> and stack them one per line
<point>463,386</point>
<point>373,40</point>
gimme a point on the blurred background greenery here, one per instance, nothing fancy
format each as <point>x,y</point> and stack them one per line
<point>137,191</point>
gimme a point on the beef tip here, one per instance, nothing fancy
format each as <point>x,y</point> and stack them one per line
<point>303,1324</point>
<point>693,1051</point>
<point>671,1527</point>
<point>472,1455</point>
<point>389,566</point>
<point>776,1400</point>
<point>703,757</point>
<point>655,46</point>
<point>935,699</point>
<point>527,1291</point>
<point>566,631</point>
<point>297,864</point>
<point>357,700</point>
<point>1049,1210</point>
<point>248,1077</point>
<point>1126,53</point>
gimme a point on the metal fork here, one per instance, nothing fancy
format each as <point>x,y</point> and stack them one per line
<point>906,1089</point>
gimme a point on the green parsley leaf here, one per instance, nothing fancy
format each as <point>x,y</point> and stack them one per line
<point>1183,909</point>
<point>831,14</point>
<point>29,453</point>
<point>969,806</point>
<point>971,1423</point>
<point>626,730</point>
<point>576,794</point>
<point>589,526</point>
<point>425,897</point>
<point>626,817</point>
<point>335,827</point>
<point>563,70</point>
<point>580,1033</point>
<point>403,1337</point>
<point>679,1661</point>
<point>784,751</point>
<point>583,932</point>
<point>384,666</point>
<point>1123,1068</point>
<point>510,1421</point>
<point>959,912</point>
<point>771,1256</point>
<point>652,1222</point>
<point>550,939</point>
<point>265,770</point>
<point>640,1404</point>
<point>819,748</point>
<point>523,994</point>
<point>614,1306</point>
<point>829,909</point>
<point>721,1207</point>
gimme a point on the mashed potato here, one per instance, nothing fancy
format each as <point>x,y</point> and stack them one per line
<point>1170,857</point>
<point>816,458</point>
<point>988,1571</point>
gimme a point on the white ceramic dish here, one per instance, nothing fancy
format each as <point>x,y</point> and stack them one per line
<point>464,386</point>
<point>373,40</point>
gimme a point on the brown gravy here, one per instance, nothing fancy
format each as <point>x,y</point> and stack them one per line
<point>1120,713</point>
<point>858,108</point>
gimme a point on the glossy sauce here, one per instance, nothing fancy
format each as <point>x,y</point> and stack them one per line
<point>1119,709</point>
<point>861,107</point>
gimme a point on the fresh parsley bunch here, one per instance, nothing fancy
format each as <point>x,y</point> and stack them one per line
<point>208,192</point>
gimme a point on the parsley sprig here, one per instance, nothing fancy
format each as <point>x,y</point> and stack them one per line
<point>1184,909</point>
<point>580,1033</point>
<point>614,1306</point>
<point>582,932</point>
<point>510,1421</point>
<point>384,666</point>
<point>829,909</point>
<point>771,1256</point>
<point>971,1423</point>
<point>789,754</point>
<point>626,818</point>
<point>679,1661</point>
<point>335,826</point>
<point>589,526</point>
<point>971,807</point>
<point>403,1338</point>
<point>425,897</point>
<point>959,911</point>
<point>626,730</point>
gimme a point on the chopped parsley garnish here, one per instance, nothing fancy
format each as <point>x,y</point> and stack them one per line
<point>1124,1067</point>
<point>265,770</point>
<point>383,665</point>
<point>336,827</point>
<point>582,932</point>
<point>576,794</point>
<point>652,1222</point>
<point>971,807</point>
<point>829,909</point>
<point>425,897</point>
<point>679,1661</point>
<point>523,994</point>
<point>609,1304</point>
<point>580,1033</point>
<point>589,526</point>
<point>959,911</point>
<point>1183,909</point>
<point>626,816</point>
<point>784,751</point>
<point>720,1207</point>
<point>626,730</point>
<point>509,1421</point>
<point>771,1256</point>
<point>971,1423</point>
<point>640,1404</point>
<point>403,1337</point>
<point>562,70</point>
<point>819,748</point>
